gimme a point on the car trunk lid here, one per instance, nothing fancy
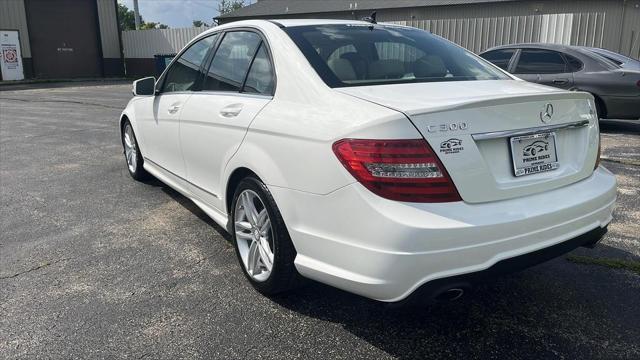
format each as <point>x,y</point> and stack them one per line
<point>491,135</point>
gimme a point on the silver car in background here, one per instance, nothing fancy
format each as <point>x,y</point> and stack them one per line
<point>615,88</point>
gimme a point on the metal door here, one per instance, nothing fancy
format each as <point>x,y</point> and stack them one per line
<point>64,38</point>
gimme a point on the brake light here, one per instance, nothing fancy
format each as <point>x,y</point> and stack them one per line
<point>403,170</point>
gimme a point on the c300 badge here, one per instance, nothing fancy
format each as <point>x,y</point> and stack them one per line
<point>451,146</point>
<point>448,127</point>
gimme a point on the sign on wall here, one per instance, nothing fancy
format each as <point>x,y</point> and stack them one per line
<point>10,57</point>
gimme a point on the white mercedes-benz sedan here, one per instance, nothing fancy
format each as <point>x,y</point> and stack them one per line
<point>376,158</point>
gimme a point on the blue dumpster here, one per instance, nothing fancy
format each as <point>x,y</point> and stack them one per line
<point>162,61</point>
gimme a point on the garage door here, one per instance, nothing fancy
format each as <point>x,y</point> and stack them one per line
<point>64,38</point>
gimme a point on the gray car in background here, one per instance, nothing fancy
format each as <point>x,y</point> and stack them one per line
<point>616,89</point>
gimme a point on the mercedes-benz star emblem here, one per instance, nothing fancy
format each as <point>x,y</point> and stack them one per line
<point>547,113</point>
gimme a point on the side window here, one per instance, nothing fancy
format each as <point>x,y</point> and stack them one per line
<point>260,77</point>
<point>534,61</point>
<point>500,58</point>
<point>574,63</point>
<point>184,72</point>
<point>231,61</point>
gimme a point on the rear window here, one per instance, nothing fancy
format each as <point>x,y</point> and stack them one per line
<point>605,62</point>
<point>617,62</point>
<point>360,54</point>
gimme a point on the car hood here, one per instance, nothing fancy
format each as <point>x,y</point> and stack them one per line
<point>419,98</point>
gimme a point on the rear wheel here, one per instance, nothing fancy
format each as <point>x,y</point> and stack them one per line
<point>132,153</point>
<point>600,109</point>
<point>263,246</point>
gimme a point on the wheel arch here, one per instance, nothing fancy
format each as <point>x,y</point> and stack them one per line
<point>599,102</point>
<point>128,116</point>
<point>250,159</point>
<point>233,181</point>
<point>601,105</point>
<point>123,118</point>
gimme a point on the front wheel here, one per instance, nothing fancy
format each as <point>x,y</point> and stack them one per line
<point>263,246</point>
<point>132,153</point>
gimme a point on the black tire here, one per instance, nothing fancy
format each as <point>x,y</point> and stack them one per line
<point>138,172</point>
<point>600,109</point>
<point>283,276</point>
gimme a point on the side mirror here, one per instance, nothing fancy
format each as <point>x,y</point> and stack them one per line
<point>144,87</point>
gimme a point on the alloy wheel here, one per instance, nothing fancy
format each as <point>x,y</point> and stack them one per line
<point>254,235</point>
<point>130,148</point>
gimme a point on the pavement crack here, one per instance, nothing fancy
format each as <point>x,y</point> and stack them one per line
<point>41,266</point>
<point>199,261</point>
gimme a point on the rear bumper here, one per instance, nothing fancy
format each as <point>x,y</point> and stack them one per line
<point>622,107</point>
<point>386,250</point>
<point>429,291</point>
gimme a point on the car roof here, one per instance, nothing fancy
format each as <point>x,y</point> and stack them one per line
<point>547,46</point>
<point>311,22</point>
<point>298,22</point>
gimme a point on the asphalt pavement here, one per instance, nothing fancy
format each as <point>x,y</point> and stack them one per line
<point>96,265</point>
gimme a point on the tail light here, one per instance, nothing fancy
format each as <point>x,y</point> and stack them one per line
<point>403,170</point>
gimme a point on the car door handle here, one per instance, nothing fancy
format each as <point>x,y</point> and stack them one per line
<point>560,81</point>
<point>231,110</point>
<point>173,108</point>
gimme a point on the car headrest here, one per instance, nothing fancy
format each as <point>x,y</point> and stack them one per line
<point>429,66</point>
<point>260,78</point>
<point>261,66</point>
<point>342,68</point>
<point>386,69</point>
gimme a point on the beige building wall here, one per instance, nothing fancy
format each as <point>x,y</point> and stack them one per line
<point>13,17</point>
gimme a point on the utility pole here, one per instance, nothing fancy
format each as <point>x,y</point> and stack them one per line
<point>136,13</point>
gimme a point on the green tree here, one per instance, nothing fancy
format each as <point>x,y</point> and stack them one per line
<point>199,23</point>
<point>127,18</point>
<point>152,25</point>
<point>227,6</point>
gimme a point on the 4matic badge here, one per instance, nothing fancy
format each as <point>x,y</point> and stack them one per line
<point>451,146</point>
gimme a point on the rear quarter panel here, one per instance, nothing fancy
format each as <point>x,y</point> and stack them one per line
<point>289,144</point>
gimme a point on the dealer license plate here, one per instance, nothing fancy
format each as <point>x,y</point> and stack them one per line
<point>534,154</point>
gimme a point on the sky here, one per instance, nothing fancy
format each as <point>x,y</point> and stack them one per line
<point>177,13</point>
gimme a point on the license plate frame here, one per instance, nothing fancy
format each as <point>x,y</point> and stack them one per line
<point>534,153</point>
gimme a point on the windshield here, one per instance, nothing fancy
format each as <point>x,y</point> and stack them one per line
<point>361,54</point>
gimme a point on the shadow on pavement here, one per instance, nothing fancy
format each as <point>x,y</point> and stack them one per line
<point>541,312</point>
<point>188,205</point>
<point>620,126</point>
<point>534,314</point>
<point>553,310</point>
